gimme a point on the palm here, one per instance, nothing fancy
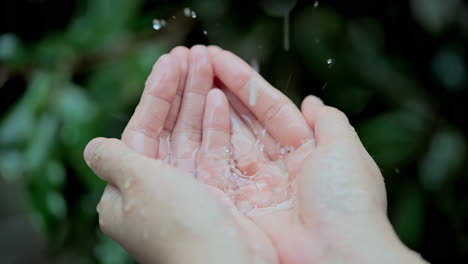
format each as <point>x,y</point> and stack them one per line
<point>257,173</point>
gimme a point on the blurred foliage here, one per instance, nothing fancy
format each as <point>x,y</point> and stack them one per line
<point>74,70</point>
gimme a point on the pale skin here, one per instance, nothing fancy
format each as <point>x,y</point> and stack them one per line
<point>173,197</point>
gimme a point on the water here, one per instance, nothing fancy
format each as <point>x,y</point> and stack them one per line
<point>316,3</point>
<point>159,24</point>
<point>205,32</point>
<point>253,86</point>
<point>265,189</point>
<point>330,62</point>
<point>286,32</point>
<point>189,13</point>
<point>127,184</point>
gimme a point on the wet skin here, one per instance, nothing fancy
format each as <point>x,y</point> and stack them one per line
<point>211,176</point>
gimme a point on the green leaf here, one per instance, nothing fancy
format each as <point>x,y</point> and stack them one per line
<point>55,173</point>
<point>41,143</point>
<point>409,218</point>
<point>56,204</point>
<point>445,156</point>
<point>18,126</point>
<point>393,138</point>
<point>11,164</point>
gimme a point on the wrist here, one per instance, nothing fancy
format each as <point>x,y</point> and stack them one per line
<point>375,243</point>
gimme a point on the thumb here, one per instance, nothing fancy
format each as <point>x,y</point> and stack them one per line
<point>109,159</point>
<point>339,171</point>
<point>159,206</point>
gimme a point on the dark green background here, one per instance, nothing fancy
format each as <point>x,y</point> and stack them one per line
<point>73,70</point>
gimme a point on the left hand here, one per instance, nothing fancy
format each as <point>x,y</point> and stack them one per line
<point>161,213</point>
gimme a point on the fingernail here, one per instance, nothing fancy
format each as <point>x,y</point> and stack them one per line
<point>89,149</point>
<point>315,100</point>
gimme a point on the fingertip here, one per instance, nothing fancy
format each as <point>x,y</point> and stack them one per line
<point>180,50</point>
<point>91,147</point>
<point>163,60</point>
<point>308,105</point>
<point>198,50</point>
<point>181,54</point>
<point>312,99</point>
<point>217,108</point>
<point>213,50</point>
<point>216,97</point>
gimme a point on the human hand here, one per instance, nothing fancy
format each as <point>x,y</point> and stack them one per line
<point>324,201</point>
<point>303,229</point>
<point>157,211</point>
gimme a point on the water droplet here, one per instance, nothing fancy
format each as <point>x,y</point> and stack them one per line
<point>324,86</point>
<point>174,17</point>
<point>193,14</point>
<point>254,64</point>
<point>330,62</point>
<point>205,32</point>
<point>99,208</point>
<point>253,92</point>
<point>316,3</point>
<point>127,184</point>
<point>158,24</point>
<point>286,32</point>
<point>128,206</point>
<point>397,171</point>
<point>187,12</point>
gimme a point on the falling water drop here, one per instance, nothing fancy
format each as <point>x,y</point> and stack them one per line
<point>158,24</point>
<point>330,62</point>
<point>254,64</point>
<point>316,3</point>
<point>286,32</point>
<point>193,14</point>
<point>205,32</point>
<point>187,12</point>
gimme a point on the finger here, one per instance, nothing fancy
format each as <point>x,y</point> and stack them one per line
<point>215,151</point>
<point>216,124</point>
<point>247,151</point>
<point>181,54</point>
<point>111,160</point>
<point>273,109</point>
<point>263,139</point>
<point>186,136</point>
<point>143,130</point>
<point>339,170</point>
<point>330,125</point>
<point>109,211</point>
<point>213,50</point>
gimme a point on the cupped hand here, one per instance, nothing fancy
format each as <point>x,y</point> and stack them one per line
<point>207,181</point>
<point>304,179</point>
<point>153,205</point>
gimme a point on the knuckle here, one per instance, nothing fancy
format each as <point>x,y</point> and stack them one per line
<point>274,110</point>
